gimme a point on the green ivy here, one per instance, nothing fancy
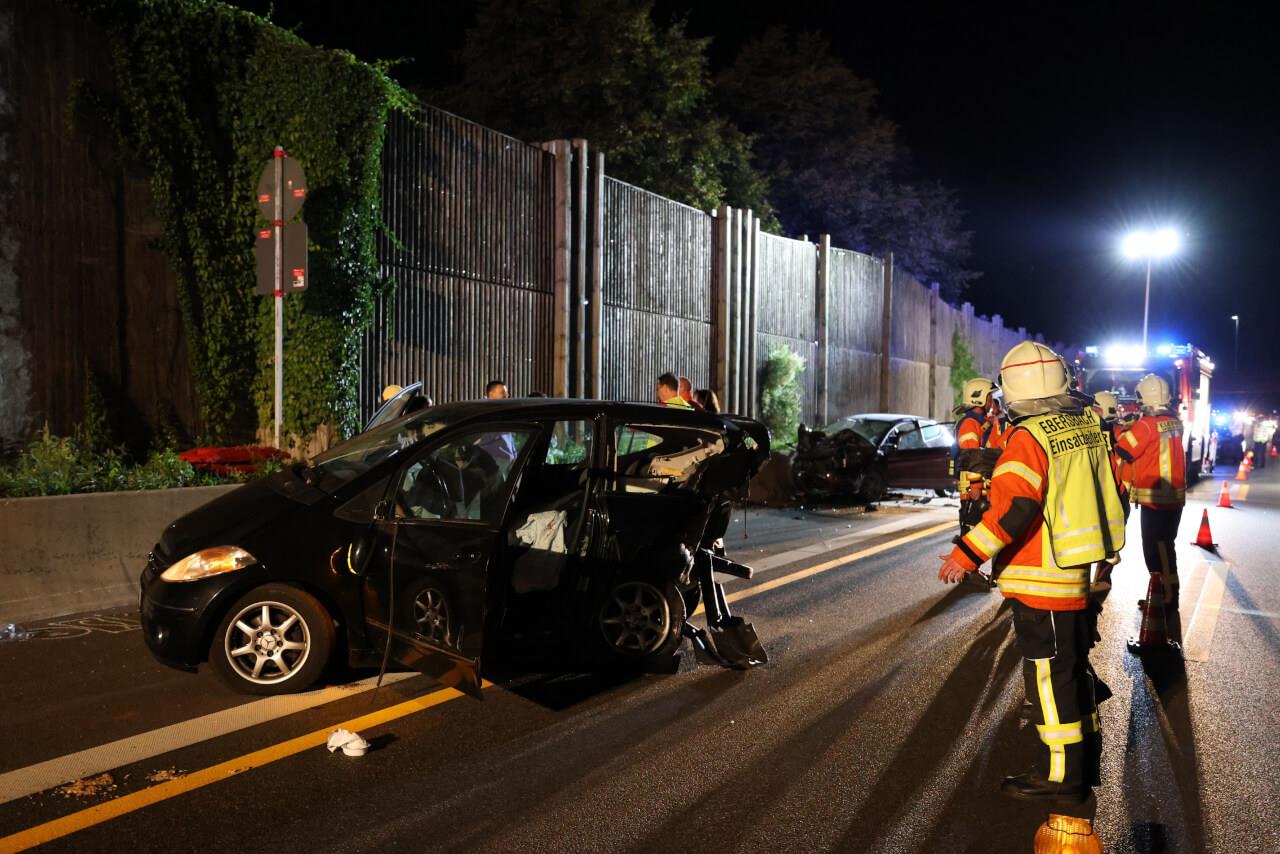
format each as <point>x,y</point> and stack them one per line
<point>204,92</point>
<point>781,396</point>
<point>963,368</point>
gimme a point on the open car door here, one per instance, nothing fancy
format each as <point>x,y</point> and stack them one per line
<point>433,548</point>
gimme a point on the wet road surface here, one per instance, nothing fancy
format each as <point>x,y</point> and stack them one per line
<point>884,721</point>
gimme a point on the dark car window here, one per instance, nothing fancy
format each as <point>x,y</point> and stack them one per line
<point>464,479</point>
<point>359,454</point>
<point>871,429</point>
<point>652,458</point>
<point>909,437</point>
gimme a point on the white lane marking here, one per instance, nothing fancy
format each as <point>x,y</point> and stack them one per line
<point>116,754</point>
<point>1204,620</point>
<point>1270,615</point>
<point>823,547</point>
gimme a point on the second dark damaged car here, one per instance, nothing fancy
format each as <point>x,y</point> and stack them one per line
<point>860,457</point>
<point>462,539</point>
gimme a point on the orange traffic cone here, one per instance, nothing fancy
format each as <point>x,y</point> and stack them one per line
<point>1242,473</point>
<point>1204,539</point>
<point>1153,638</point>
<point>1063,833</point>
<point>1273,452</point>
<point>1248,461</point>
<point>1224,497</point>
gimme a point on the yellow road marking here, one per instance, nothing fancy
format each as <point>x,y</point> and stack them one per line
<point>125,804</point>
<point>51,830</point>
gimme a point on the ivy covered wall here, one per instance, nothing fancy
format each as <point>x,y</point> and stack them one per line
<point>203,93</point>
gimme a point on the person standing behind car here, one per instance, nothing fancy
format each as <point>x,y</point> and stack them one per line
<point>501,446</point>
<point>668,392</point>
<point>706,398</point>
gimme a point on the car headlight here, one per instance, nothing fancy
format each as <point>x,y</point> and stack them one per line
<point>207,562</point>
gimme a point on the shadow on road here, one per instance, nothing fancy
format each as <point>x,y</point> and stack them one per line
<point>1160,698</point>
<point>943,723</point>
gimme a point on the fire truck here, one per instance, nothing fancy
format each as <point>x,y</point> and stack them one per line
<point>1117,368</point>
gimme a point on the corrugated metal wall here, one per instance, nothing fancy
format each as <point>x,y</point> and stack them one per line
<point>855,308</point>
<point>657,292</point>
<point>786,278</point>
<point>490,230</point>
<point>910,349</point>
<point>471,216</point>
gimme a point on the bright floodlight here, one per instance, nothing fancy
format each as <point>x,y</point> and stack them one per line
<point>1235,317</point>
<point>1151,244</point>
<point>1135,244</point>
<point>1164,242</point>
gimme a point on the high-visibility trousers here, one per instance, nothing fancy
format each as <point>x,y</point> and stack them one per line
<point>1060,685</point>
<point>1159,535</point>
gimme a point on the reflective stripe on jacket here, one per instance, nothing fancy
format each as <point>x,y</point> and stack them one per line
<point>1054,511</point>
<point>970,430</point>
<point>1154,446</point>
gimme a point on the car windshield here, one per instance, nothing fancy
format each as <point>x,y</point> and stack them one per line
<point>871,429</point>
<point>359,454</point>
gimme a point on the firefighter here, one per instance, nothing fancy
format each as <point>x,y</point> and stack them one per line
<point>978,439</point>
<point>1054,512</point>
<point>1153,446</point>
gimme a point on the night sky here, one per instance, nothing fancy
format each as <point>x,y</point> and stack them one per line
<point>1061,129</point>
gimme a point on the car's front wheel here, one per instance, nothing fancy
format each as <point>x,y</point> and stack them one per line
<point>276,639</point>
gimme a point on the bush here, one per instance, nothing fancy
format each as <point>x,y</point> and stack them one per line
<point>962,367</point>
<point>781,396</point>
<point>67,465</point>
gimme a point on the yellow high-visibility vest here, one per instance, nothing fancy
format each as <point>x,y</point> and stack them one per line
<point>1083,514</point>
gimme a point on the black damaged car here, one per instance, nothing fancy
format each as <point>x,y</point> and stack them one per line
<point>464,538</point>
<point>860,457</point>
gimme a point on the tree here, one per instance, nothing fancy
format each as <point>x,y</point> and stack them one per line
<point>833,161</point>
<point>601,69</point>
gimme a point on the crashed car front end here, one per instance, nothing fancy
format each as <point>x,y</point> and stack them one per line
<point>832,465</point>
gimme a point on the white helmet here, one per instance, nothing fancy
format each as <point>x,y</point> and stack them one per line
<point>390,392</point>
<point>1153,392</point>
<point>1031,371</point>
<point>1109,404</point>
<point>976,391</point>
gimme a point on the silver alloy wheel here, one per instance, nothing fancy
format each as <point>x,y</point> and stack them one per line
<point>431,615</point>
<point>267,642</point>
<point>637,618</point>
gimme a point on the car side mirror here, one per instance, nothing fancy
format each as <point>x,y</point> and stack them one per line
<point>382,510</point>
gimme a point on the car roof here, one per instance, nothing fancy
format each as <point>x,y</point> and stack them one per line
<point>544,407</point>
<point>885,416</point>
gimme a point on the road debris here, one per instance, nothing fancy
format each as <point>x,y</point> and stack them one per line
<point>89,787</point>
<point>348,742</point>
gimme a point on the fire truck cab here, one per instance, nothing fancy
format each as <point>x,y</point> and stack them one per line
<point>1117,368</point>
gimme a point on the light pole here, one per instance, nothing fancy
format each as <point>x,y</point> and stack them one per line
<point>1149,245</point>
<point>1236,363</point>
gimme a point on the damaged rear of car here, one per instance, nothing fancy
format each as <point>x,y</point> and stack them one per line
<point>465,540</point>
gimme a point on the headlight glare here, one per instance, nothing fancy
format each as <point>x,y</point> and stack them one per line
<point>207,562</point>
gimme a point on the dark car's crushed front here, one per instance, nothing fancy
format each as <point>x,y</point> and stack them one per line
<point>438,535</point>
<point>840,460</point>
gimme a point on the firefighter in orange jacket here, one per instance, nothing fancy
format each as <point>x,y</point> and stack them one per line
<point>978,440</point>
<point>1153,445</point>
<point>1054,512</point>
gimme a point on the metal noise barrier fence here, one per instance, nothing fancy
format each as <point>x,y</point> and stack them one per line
<point>527,263</point>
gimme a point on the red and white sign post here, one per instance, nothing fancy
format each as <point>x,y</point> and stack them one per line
<point>280,252</point>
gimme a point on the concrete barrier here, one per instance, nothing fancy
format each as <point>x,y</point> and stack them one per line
<point>68,553</point>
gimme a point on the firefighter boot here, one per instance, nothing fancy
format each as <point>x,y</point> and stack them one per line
<point>1035,786</point>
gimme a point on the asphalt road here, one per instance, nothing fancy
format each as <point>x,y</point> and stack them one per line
<point>884,721</point>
